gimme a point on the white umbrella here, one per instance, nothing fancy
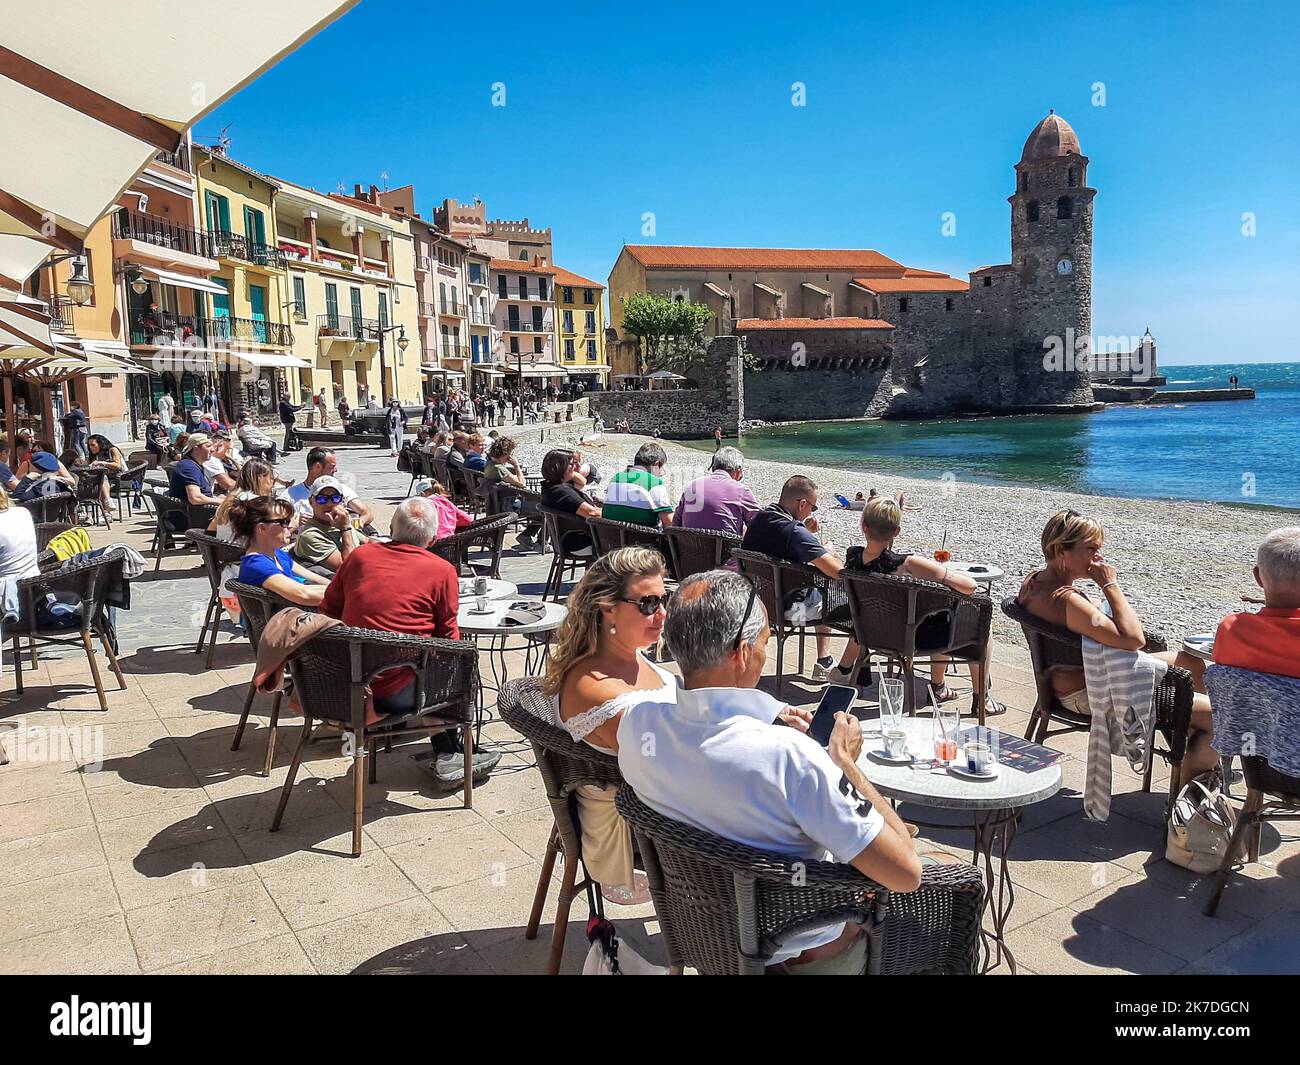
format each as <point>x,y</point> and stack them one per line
<point>25,324</point>
<point>90,91</point>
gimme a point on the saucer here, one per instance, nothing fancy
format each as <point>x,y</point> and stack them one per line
<point>881,755</point>
<point>967,774</point>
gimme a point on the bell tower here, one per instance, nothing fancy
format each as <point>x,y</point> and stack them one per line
<point>1051,251</point>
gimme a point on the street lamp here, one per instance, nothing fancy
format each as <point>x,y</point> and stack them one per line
<point>139,285</point>
<point>80,288</point>
<point>402,344</point>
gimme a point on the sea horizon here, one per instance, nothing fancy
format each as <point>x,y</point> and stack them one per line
<point>1236,452</point>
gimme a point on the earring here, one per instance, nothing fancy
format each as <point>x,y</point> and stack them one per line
<point>613,630</point>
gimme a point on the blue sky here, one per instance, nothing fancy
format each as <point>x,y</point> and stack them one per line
<point>685,111</point>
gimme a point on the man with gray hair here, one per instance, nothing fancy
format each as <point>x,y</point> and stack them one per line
<point>719,500</point>
<point>717,760</point>
<point>1269,641</point>
<point>401,586</point>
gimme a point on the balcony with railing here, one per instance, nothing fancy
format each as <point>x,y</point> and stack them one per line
<point>158,329</point>
<point>452,309</point>
<point>346,327</point>
<point>61,314</point>
<point>479,317</point>
<point>162,233</point>
<point>518,325</point>
<point>454,351</point>
<point>180,158</point>
<point>227,245</point>
<point>426,308</point>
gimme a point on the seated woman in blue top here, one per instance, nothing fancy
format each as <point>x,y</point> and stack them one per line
<point>265,522</point>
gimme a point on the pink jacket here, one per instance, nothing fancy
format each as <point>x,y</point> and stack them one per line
<point>450,516</point>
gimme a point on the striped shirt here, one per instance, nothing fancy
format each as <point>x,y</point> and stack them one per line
<point>636,495</point>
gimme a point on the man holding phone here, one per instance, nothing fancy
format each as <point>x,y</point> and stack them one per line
<point>714,760</point>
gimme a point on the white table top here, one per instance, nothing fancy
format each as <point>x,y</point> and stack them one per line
<point>496,589</point>
<point>489,624</point>
<point>937,787</point>
<point>1201,645</point>
<point>989,573</point>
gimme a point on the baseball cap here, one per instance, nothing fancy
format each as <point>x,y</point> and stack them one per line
<point>326,482</point>
<point>194,441</point>
<point>424,486</point>
<point>45,462</point>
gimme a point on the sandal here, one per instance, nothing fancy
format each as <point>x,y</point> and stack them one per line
<point>943,693</point>
<point>992,708</point>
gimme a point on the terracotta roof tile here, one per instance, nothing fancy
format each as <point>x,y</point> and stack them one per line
<point>568,277</point>
<point>912,284</point>
<point>666,256</point>
<point>751,324</point>
<point>519,266</point>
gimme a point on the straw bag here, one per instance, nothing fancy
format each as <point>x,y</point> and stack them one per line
<point>1201,825</point>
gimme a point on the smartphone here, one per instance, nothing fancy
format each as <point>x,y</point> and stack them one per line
<point>835,698</point>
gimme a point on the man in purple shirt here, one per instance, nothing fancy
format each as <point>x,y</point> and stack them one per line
<point>718,501</point>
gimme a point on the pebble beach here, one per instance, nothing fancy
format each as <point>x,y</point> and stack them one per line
<point>1182,565</point>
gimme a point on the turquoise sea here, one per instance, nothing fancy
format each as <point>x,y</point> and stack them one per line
<point>1239,452</point>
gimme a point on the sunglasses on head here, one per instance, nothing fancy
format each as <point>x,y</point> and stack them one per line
<point>285,522</point>
<point>749,609</point>
<point>325,498</point>
<point>648,604</point>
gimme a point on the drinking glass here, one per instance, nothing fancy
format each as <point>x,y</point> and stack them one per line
<point>947,722</point>
<point>891,703</point>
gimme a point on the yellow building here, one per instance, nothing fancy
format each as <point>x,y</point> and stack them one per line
<point>580,328</point>
<point>245,329</point>
<point>351,285</point>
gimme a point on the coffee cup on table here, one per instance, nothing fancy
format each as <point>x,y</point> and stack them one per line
<point>895,742</point>
<point>979,757</point>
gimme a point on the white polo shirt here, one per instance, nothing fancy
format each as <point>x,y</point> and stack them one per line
<point>715,760</point>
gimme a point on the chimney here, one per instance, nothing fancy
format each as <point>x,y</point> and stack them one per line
<point>357,193</point>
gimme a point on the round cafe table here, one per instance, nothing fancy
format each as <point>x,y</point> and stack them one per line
<point>983,574</point>
<point>994,805</point>
<point>497,638</point>
<point>1200,645</point>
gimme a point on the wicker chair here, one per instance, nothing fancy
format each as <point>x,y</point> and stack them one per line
<point>565,765</point>
<point>48,530</point>
<point>1052,645</point>
<point>777,582</point>
<point>608,535</point>
<point>487,534</point>
<point>1271,795</point>
<point>258,606</point>
<point>571,545</point>
<point>887,610</point>
<point>216,555</point>
<point>56,506</point>
<point>122,483</point>
<point>164,505</point>
<point>724,908</point>
<point>88,500</point>
<point>89,582</point>
<point>699,550</point>
<point>331,676</point>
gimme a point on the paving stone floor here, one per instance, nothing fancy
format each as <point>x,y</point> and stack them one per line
<point>159,859</point>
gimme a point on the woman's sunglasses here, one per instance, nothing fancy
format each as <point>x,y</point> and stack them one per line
<point>285,522</point>
<point>648,604</point>
<point>325,499</point>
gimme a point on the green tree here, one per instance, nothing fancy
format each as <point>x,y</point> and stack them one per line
<point>671,332</point>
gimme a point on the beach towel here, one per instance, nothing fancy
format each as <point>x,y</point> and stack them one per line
<point>1120,687</point>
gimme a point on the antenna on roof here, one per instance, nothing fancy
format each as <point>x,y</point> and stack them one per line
<point>342,188</point>
<point>383,176</point>
<point>223,138</point>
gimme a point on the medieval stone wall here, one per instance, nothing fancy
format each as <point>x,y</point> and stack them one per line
<point>836,373</point>
<point>684,413</point>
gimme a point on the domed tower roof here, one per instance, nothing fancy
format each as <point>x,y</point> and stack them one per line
<point>1052,137</point>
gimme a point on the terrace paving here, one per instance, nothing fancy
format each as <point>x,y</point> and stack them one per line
<point>161,861</point>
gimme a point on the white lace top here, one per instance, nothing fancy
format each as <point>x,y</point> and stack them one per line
<point>582,725</point>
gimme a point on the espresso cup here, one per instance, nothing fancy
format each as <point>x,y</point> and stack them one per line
<point>979,757</point>
<point>480,586</point>
<point>481,604</point>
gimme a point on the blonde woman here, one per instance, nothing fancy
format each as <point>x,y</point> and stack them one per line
<point>1071,547</point>
<point>596,671</point>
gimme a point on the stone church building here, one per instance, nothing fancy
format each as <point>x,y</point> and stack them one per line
<point>869,336</point>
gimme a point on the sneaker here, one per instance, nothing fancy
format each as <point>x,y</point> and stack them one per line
<point>822,669</point>
<point>525,540</point>
<point>863,682</point>
<point>448,767</point>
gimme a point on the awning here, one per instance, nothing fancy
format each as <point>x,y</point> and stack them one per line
<point>168,277</point>
<point>178,360</point>
<point>269,359</point>
<point>25,323</point>
<point>538,369</point>
<point>89,97</point>
<point>491,371</point>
